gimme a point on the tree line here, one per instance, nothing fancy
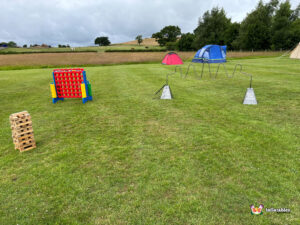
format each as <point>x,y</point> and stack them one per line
<point>270,26</point>
<point>9,44</point>
<point>12,44</point>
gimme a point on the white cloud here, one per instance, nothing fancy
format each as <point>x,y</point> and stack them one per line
<point>78,22</point>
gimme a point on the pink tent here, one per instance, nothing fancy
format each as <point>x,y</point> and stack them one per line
<point>172,59</point>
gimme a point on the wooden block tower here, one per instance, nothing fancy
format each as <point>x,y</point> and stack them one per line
<point>22,131</point>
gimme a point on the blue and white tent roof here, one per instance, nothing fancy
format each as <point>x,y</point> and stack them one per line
<point>211,54</point>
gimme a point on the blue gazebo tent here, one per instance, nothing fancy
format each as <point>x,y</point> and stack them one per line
<point>210,54</point>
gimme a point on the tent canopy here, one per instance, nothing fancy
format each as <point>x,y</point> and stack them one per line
<point>172,59</point>
<point>224,47</point>
<point>211,54</point>
<point>296,52</point>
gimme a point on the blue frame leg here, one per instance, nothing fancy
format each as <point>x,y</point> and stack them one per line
<point>54,100</point>
<point>88,98</point>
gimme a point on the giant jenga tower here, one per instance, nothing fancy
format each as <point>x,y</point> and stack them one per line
<point>22,131</point>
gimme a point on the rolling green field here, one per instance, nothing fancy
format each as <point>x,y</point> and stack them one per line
<point>128,158</point>
<point>76,49</point>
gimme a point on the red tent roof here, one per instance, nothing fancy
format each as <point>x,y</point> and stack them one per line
<point>172,59</point>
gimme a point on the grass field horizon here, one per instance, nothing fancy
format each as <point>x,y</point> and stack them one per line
<point>128,158</point>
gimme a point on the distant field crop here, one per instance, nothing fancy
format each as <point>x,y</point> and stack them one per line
<point>93,58</point>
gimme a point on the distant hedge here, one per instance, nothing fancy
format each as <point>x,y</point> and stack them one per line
<point>136,50</point>
<point>34,52</point>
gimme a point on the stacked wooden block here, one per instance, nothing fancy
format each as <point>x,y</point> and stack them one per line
<point>22,131</point>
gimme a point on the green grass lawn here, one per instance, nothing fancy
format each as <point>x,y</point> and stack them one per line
<point>126,158</point>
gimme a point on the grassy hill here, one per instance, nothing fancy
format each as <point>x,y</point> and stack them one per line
<point>77,49</point>
<point>146,42</point>
<point>127,158</point>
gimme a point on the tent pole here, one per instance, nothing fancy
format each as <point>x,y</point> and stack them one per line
<point>217,70</point>
<point>159,89</point>
<point>224,66</point>
<point>246,74</point>
<point>187,71</point>
<point>209,70</point>
<point>202,70</point>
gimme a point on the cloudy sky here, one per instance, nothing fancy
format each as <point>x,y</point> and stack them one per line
<point>78,22</point>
